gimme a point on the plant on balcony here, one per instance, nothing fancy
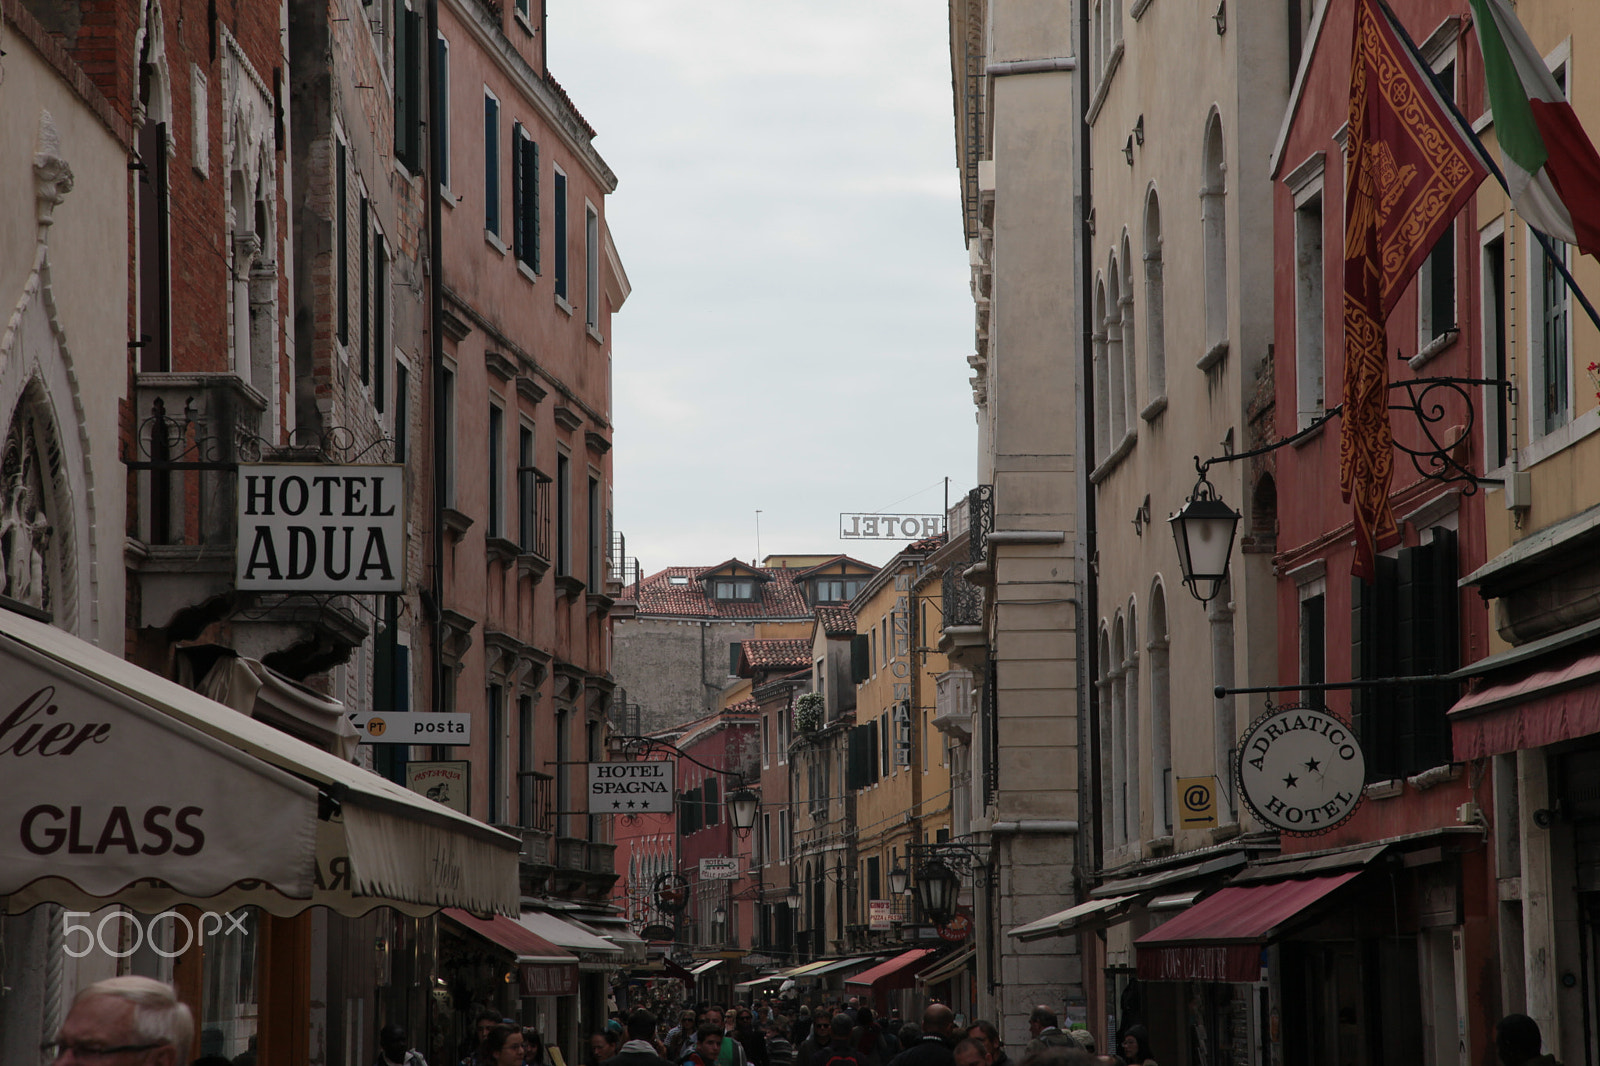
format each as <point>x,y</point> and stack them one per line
<point>808,712</point>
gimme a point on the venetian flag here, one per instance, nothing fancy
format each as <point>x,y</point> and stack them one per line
<point>1409,172</point>
<point>1551,168</point>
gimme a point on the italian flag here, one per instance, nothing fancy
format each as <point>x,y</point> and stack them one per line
<point>1552,171</point>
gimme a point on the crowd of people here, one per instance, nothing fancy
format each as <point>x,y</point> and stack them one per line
<point>142,1022</point>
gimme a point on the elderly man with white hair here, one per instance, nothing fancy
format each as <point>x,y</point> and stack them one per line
<point>125,1021</point>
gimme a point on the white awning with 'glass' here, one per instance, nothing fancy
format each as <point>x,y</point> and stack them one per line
<point>124,787</point>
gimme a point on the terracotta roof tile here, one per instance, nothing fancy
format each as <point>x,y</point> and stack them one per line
<point>678,591</point>
<point>775,654</point>
<point>837,621</point>
<point>927,544</point>
<point>749,706</point>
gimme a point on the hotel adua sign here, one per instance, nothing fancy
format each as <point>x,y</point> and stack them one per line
<point>315,527</point>
<point>1301,770</point>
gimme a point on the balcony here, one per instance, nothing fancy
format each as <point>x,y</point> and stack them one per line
<point>955,703</point>
<point>533,523</point>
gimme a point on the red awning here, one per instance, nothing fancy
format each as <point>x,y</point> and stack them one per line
<point>1221,937</point>
<point>901,965</point>
<point>543,968</point>
<point>1555,702</point>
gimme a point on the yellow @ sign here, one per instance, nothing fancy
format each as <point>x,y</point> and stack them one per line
<point>1197,802</point>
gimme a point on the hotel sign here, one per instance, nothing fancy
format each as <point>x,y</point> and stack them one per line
<point>315,527</point>
<point>631,787</point>
<point>1301,770</point>
<point>860,526</point>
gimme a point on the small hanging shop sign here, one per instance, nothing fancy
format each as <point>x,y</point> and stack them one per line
<point>1301,770</point>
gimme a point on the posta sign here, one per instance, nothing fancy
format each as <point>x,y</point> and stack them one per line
<point>1301,770</point>
<point>104,791</point>
<point>313,527</point>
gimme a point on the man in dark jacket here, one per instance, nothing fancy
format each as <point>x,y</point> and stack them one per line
<point>638,1050</point>
<point>838,1052</point>
<point>748,1033</point>
<point>821,1034</point>
<point>1517,1041</point>
<point>933,1049</point>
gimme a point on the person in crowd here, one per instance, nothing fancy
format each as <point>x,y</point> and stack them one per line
<point>817,1039</point>
<point>502,1046</point>
<point>139,1015</point>
<point>839,1051</point>
<point>1084,1038</point>
<point>394,1049</point>
<point>872,1046</point>
<point>1051,1055</point>
<point>1135,1046</point>
<point>485,1020</point>
<point>680,1038</point>
<point>602,1046</point>
<point>780,1049</point>
<point>708,1040</point>
<point>640,1047</point>
<point>732,1052</point>
<point>985,1030</point>
<point>1046,1031</point>
<point>973,1051</point>
<point>909,1035</point>
<point>533,1051</point>
<point>933,1045</point>
<point>801,1031</point>
<point>750,1035</point>
<point>1517,1041</point>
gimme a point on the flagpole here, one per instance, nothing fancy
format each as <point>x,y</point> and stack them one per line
<point>1466,127</point>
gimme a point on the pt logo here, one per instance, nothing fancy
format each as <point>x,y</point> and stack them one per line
<point>376,727</point>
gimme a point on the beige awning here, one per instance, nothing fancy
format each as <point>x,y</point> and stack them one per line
<point>593,951</point>
<point>124,787</point>
<point>1094,913</point>
<point>946,969</point>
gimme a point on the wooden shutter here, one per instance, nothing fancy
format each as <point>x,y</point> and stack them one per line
<point>1373,655</point>
<point>533,212</point>
<point>873,752</point>
<point>860,655</point>
<point>855,756</point>
<point>518,207</point>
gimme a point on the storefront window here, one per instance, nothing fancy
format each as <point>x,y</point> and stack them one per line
<point>229,1005</point>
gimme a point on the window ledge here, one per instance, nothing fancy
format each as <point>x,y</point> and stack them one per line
<point>499,549</point>
<point>1214,355</point>
<point>1102,89</point>
<point>456,523</point>
<point>568,586</point>
<point>1301,442</point>
<point>527,272</point>
<point>1119,453</point>
<point>1437,775</point>
<point>1559,439</point>
<point>1379,790</point>
<point>1441,343</point>
<point>1138,8</point>
<point>594,335</point>
<point>532,565</point>
<point>1153,409</point>
<point>561,302</point>
<point>448,198</point>
<point>493,239</point>
<point>523,22</point>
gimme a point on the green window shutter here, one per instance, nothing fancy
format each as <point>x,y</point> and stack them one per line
<point>533,212</point>
<point>403,85</point>
<point>1373,655</point>
<point>860,652</point>
<point>733,656</point>
<point>872,752</point>
<point>852,765</point>
<point>518,208</point>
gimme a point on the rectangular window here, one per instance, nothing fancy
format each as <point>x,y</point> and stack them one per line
<point>1551,327</point>
<point>497,474</point>
<point>496,753</point>
<point>597,538</point>
<point>1403,624</point>
<point>441,121</point>
<point>561,233</point>
<point>491,164</point>
<point>341,240</point>
<point>525,761</point>
<point>783,737</point>
<point>711,803</point>
<point>766,741</point>
<point>525,198</point>
<point>402,411</point>
<point>447,461</point>
<point>563,515</point>
<point>1497,424</point>
<point>1308,298</point>
<point>408,87</point>
<point>155,287</point>
<point>734,651</point>
<point>591,258</point>
<point>1436,279</point>
<point>783,836</point>
<point>380,318</point>
<point>884,747</point>
<point>1313,647</point>
<point>366,292</point>
<point>526,487</point>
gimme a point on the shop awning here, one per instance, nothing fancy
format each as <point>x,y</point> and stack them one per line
<point>835,965</point>
<point>1127,886</point>
<point>1221,937</point>
<point>806,970</point>
<point>543,968</point>
<point>1538,705</point>
<point>615,930</point>
<point>1093,914</point>
<point>706,967</point>
<point>759,982</point>
<point>590,949</point>
<point>124,787</point>
<point>946,969</point>
<point>898,969</point>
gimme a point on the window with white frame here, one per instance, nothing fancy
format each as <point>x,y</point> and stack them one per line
<point>560,212</point>
<point>441,121</point>
<point>525,197</point>
<point>1155,300</point>
<point>491,163</point>
<point>1436,278</point>
<point>497,471</point>
<point>1309,361</point>
<point>1492,309</point>
<point>591,258</point>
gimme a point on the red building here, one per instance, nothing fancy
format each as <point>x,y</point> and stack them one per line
<point>1389,960</point>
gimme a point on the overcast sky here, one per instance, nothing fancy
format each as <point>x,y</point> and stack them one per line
<point>788,214</point>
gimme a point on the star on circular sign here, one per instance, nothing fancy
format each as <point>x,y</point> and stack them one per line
<point>1300,770</point>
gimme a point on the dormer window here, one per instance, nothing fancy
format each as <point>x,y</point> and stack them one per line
<point>836,590</point>
<point>728,589</point>
<point>678,579</point>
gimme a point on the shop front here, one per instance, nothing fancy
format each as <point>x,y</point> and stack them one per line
<point>891,982</point>
<point>149,829</point>
<point>599,960</point>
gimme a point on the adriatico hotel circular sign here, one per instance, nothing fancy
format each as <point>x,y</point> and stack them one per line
<point>1301,770</point>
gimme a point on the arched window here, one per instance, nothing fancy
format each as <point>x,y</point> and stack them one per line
<point>1102,385</point>
<point>1104,689</point>
<point>1120,386</point>
<point>1155,299</point>
<point>1214,220</point>
<point>1160,714</point>
<point>1125,313</point>
<point>1132,820</point>
<point>1119,736</point>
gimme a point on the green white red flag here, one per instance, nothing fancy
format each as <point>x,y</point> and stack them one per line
<point>1552,170</point>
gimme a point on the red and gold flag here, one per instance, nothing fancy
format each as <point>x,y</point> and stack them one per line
<point>1409,173</point>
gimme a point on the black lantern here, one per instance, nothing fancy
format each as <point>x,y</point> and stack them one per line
<point>1204,531</point>
<point>742,807</point>
<point>937,889</point>
<point>899,880</point>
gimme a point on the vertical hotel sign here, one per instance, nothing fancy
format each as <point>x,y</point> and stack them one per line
<point>315,527</point>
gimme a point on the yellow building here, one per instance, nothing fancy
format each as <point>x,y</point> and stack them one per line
<point>898,765</point>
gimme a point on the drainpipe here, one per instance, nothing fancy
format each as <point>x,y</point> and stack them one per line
<point>430,199</point>
<point>1089,610</point>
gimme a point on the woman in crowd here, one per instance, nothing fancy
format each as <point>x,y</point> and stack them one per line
<point>1136,1047</point>
<point>502,1047</point>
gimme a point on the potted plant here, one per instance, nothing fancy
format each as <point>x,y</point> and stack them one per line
<point>808,712</point>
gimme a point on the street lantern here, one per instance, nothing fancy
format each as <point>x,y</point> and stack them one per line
<point>793,899</point>
<point>899,880</point>
<point>937,889</point>
<point>1203,531</point>
<point>719,916</point>
<point>742,806</point>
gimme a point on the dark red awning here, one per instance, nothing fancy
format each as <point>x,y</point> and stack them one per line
<point>1221,937</point>
<point>543,968</point>
<point>1546,705</point>
<point>899,966</point>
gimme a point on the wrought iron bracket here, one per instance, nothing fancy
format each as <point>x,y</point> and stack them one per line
<point>637,747</point>
<point>1437,459</point>
<point>960,856</point>
<point>187,442</point>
